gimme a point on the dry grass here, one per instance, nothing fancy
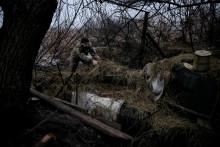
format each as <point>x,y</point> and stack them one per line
<point>135,92</point>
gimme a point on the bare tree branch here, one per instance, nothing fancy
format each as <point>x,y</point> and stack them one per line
<point>131,3</point>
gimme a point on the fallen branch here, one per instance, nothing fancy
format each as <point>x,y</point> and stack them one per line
<point>188,110</point>
<point>72,105</point>
<point>84,118</point>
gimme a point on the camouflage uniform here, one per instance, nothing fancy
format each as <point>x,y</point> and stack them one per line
<point>79,53</point>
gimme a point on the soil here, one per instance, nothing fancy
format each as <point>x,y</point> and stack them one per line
<point>44,125</point>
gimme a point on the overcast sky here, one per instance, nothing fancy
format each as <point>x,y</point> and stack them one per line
<point>1,17</point>
<point>87,11</point>
<point>83,14</point>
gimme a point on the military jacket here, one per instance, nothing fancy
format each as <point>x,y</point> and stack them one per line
<point>79,53</point>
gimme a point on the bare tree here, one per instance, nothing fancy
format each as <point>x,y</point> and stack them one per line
<point>168,21</point>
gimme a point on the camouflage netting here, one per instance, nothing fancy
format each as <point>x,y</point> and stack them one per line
<point>156,121</point>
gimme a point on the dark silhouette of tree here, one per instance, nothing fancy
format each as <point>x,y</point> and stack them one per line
<point>25,23</point>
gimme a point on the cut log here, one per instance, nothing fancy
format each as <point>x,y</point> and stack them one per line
<point>110,131</point>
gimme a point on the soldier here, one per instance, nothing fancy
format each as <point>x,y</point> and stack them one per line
<point>80,52</point>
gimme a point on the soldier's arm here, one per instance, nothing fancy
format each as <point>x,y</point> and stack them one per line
<point>94,55</point>
<point>82,56</point>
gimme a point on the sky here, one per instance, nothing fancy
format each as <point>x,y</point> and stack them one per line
<point>1,17</point>
<point>84,12</point>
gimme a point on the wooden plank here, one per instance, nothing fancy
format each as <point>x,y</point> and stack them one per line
<point>110,131</point>
<point>72,105</point>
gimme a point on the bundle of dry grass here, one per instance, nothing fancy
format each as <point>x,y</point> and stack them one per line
<point>131,78</point>
<point>168,127</point>
<point>51,82</point>
<point>167,64</point>
<point>214,69</point>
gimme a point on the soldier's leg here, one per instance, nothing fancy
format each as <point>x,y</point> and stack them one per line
<point>73,65</point>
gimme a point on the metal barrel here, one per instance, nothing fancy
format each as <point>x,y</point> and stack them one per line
<point>201,60</point>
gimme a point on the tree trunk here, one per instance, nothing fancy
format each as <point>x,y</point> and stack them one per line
<point>143,40</point>
<point>24,25</point>
<point>138,55</point>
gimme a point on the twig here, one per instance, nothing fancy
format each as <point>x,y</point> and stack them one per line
<point>60,73</point>
<point>40,123</point>
<point>65,83</point>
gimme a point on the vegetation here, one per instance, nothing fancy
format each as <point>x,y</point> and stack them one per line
<point>36,39</point>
